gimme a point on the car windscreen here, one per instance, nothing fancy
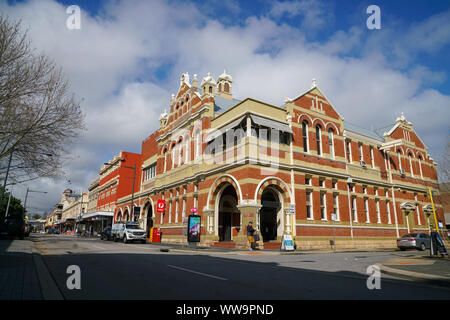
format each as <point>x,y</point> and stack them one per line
<point>133,226</point>
<point>410,235</point>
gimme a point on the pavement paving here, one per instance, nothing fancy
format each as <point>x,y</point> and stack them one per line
<point>423,268</point>
<point>18,277</point>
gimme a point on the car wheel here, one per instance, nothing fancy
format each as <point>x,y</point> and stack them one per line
<point>115,239</point>
<point>422,247</point>
<point>124,239</point>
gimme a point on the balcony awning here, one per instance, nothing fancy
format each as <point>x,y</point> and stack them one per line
<point>219,131</point>
<point>98,214</point>
<point>271,123</point>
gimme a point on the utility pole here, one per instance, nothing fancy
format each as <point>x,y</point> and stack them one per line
<point>26,196</point>
<point>7,207</point>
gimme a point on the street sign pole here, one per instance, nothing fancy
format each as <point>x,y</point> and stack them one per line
<point>333,217</point>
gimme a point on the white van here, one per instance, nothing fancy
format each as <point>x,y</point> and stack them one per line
<point>128,231</point>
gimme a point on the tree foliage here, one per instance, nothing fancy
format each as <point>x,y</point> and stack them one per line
<point>39,117</point>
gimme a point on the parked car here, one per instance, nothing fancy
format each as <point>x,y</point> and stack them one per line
<point>419,241</point>
<point>106,234</point>
<point>128,231</point>
<point>53,231</point>
<point>16,227</point>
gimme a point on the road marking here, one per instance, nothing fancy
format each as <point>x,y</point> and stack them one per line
<point>196,272</point>
<point>98,247</point>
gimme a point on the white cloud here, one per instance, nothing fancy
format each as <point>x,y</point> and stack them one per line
<point>268,60</point>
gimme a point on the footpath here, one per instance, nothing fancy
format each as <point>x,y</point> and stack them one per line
<point>425,269</point>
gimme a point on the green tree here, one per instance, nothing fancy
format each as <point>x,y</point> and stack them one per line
<point>15,205</point>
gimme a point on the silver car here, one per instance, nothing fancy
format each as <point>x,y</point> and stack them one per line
<point>419,241</point>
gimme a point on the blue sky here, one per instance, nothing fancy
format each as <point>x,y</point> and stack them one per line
<point>397,16</point>
<point>127,58</point>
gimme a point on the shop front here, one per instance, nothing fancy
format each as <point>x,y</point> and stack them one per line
<point>95,222</point>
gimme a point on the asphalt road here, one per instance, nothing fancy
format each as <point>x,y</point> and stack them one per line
<point>138,271</point>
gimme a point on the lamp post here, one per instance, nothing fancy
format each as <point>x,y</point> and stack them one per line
<point>134,178</point>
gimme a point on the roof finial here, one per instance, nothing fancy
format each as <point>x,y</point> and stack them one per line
<point>314,83</point>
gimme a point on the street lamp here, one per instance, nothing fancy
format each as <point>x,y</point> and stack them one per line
<point>134,177</point>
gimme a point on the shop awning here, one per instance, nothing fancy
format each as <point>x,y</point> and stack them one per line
<point>219,131</point>
<point>98,214</point>
<point>271,123</point>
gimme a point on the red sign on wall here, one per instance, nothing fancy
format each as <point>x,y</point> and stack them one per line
<point>160,205</point>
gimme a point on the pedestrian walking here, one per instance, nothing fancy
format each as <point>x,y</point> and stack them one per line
<point>251,236</point>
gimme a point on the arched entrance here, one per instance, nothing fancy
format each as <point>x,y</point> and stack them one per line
<point>229,215</point>
<point>149,218</point>
<point>270,215</point>
<point>125,216</point>
<point>119,216</point>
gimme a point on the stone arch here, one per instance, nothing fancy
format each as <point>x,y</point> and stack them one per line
<point>148,205</point>
<point>305,117</point>
<point>278,183</point>
<point>126,214</point>
<point>214,190</point>
<point>118,215</point>
<point>148,202</point>
<point>316,120</point>
<point>410,151</point>
<point>331,125</point>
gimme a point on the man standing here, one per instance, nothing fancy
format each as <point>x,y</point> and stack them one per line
<point>250,235</point>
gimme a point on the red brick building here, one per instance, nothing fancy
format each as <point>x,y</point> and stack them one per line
<point>116,181</point>
<point>240,161</point>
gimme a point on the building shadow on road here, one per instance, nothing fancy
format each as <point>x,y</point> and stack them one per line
<point>156,275</point>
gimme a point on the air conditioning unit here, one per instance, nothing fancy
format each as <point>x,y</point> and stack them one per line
<point>363,163</point>
<point>402,172</point>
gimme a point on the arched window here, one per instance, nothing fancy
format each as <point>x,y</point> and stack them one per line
<point>227,88</point>
<point>318,139</point>
<point>410,164</point>
<point>197,145</point>
<point>180,151</point>
<point>305,136</point>
<point>165,159</point>
<point>331,142</point>
<point>210,89</point>
<point>420,166</point>
<point>399,160</point>
<point>220,87</point>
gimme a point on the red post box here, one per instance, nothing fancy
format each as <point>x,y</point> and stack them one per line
<point>156,234</point>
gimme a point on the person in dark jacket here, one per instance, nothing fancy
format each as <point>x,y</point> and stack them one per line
<point>250,235</point>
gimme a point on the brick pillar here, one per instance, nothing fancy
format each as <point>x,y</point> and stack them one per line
<point>248,213</point>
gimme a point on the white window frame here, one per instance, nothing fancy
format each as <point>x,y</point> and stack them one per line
<point>331,142</point>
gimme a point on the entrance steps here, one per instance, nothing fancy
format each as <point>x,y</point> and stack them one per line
<point>224,244</point>
<point>272,245</point>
